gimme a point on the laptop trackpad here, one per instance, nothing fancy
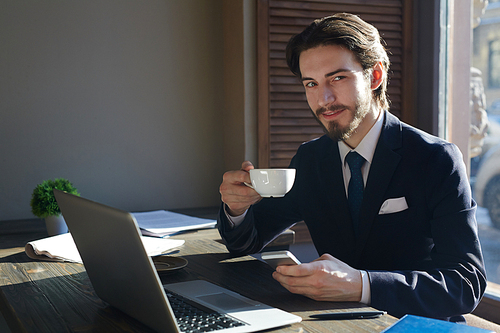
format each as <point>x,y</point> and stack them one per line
<point>225,301</point>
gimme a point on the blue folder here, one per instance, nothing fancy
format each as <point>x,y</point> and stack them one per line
<point>414,324</point>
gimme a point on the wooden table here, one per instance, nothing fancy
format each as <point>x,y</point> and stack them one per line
<point>39,296</point>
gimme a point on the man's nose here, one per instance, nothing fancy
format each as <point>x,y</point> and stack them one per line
<point>326,97</point>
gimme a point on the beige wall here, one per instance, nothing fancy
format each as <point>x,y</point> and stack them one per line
<point>126,99</point>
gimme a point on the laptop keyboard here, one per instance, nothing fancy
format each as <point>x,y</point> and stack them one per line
<point>192,317</point>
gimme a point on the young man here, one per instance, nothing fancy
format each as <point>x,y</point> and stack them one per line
<point>412,245</point>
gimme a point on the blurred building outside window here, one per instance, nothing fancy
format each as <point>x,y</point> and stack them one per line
<point>485,129</point>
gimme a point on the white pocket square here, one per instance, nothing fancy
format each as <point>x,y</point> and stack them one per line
<point>393,206</point>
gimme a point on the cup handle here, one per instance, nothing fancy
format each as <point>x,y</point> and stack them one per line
<point>249,185</point>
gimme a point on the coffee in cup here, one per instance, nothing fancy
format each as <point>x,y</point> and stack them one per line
<point>272,182</point>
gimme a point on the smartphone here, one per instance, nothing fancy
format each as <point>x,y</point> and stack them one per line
<point>277,258</point>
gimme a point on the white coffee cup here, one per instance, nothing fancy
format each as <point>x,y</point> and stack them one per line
<point>272,182</point>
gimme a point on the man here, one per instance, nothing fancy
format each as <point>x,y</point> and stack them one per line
<point>412,245</point>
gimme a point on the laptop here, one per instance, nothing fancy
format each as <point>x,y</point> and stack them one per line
<point>123,275</point>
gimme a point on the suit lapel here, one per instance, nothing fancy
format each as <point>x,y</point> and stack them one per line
<point>384,163</point>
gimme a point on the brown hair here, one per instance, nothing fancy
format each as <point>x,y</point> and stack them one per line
<point>351,32</point>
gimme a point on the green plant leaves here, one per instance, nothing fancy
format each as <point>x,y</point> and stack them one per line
<point>43,203</point>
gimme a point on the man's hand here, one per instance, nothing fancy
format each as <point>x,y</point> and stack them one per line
<point>325,279</point>
<point>234,193</point>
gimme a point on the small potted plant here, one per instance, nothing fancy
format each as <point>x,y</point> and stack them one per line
<point>44,205</point>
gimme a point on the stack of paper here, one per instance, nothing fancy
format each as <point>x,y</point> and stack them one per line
<point>161,223</point>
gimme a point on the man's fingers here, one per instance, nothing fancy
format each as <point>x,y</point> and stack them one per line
<point>237,177</point>
<point>326,256</point>
<point>296,270</point>
<point>326,278</point>
<point>234,193</point>
<point>296,284</point>
<point>246,166</point>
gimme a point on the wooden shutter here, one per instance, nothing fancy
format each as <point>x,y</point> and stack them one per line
<point>285,120</point>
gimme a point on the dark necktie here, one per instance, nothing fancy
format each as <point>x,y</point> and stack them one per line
<point>356,187</point>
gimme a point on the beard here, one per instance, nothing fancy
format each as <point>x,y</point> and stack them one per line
<point>358,113</point>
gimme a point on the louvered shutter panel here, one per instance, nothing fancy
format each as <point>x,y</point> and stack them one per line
<point>285,120</point>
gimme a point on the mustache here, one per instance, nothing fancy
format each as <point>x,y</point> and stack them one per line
<point>332,108</point>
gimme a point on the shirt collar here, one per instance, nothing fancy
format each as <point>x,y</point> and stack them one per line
<point>366,147</point>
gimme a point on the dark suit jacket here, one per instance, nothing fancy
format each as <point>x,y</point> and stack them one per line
<point>425,260</point>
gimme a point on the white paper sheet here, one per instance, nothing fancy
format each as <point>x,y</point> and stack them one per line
<point>63,248</point>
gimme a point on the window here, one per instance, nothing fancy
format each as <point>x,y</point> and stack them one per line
<point>494,64</point>
<point>485,144</point>
<point>485,163</point>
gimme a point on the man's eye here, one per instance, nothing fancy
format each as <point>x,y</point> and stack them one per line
<point>338,78</point>
<point>310,84</point>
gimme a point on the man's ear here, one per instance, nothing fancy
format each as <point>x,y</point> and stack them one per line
<point>377,76</point>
